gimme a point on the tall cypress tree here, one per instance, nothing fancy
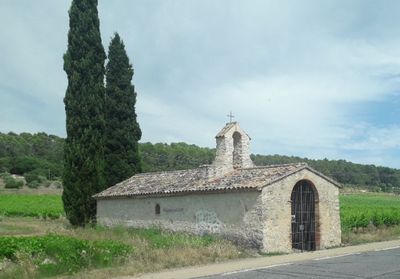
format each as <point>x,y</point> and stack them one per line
<point>84,106</point>
<point>122,129</point>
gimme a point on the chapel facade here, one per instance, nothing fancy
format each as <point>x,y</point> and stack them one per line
<point>277,208</point>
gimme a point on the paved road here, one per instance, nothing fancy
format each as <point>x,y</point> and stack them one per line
<point>326,263</point>
<point>384,264</point>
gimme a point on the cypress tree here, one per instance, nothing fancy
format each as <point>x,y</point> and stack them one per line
<point>84,106</point>
<point>122,129</point>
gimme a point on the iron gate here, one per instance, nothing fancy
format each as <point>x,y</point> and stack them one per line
<point>303,216</point>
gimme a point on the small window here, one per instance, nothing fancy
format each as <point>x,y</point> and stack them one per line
<point>158,209</point>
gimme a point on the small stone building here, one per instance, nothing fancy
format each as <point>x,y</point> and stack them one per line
<point>277,208</point>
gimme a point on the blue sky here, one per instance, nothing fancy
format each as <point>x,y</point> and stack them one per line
<point>318,79</point>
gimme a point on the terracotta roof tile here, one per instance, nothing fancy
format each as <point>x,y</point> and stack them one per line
<point>197,180</point>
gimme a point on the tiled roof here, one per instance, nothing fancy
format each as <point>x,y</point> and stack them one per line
<point>197,180</point>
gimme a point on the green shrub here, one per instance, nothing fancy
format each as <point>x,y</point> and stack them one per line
<point>33,184</point>
<point>57,254</point>
<point>32,176</point>
<point>12,183</point>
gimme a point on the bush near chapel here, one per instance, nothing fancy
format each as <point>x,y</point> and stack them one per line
<point>12,183</point>
<point>34,178</point>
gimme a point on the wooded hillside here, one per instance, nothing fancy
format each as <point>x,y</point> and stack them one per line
<point>43,154</point>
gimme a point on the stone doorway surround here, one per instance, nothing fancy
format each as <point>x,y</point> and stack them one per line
<point>304,217</point>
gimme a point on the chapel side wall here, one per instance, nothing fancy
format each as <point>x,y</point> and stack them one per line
<point>277,207</point>
<point>237,216</point>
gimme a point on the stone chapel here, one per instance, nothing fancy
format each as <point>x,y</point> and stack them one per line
<point>276,208</point>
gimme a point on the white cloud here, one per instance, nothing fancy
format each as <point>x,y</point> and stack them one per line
<point>292,72</point>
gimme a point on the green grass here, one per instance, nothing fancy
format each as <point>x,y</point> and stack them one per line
<point>57,254</point>
<point>362,210</point>
<point>153,250</point>
<point>47,206</point>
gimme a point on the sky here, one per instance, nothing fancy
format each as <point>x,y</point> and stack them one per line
<point>316,79</point>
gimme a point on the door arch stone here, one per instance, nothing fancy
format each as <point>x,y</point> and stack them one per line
<point>305,216</point>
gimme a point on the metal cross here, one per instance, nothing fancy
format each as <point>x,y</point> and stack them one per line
<point>230,115</point>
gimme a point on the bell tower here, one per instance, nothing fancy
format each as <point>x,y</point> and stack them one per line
<point>233,149</point>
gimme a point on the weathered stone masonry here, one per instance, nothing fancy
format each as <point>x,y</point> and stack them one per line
<point>231,197</point>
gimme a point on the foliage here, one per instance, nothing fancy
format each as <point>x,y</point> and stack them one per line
<point>48,206</point>
<point>121,150</point>
<point>32,176</point>
<point>27,152</point>
<point>152,251</point>
<point>363,210</point>
<point>57,254</point>
<point>12,183</point>
<point>34,179</point>
<point>174,156</point>
<point>84,105</point>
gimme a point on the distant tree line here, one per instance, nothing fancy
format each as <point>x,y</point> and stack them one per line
<point>26,154</point>
<point>174,156</point>
<point>43,154</point>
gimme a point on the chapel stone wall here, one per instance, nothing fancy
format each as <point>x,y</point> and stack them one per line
<point>236,216</point>
<point>276,200</point>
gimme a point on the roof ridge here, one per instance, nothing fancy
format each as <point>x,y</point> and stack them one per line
<point>301,164</point>
<point>166,171</point>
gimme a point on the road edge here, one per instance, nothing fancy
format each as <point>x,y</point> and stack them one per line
<point>264,262</point>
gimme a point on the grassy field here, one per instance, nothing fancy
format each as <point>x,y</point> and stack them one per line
<point>60,246</point>
<point>58,254</point>
<point>50,246</point>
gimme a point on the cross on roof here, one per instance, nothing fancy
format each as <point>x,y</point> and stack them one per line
<point>230,115</point>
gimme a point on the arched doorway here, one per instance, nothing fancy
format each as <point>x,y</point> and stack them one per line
<point>304,216</point>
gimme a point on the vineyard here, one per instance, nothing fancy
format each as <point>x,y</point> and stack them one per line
<point>43,206</point>
<point>360,211</point>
